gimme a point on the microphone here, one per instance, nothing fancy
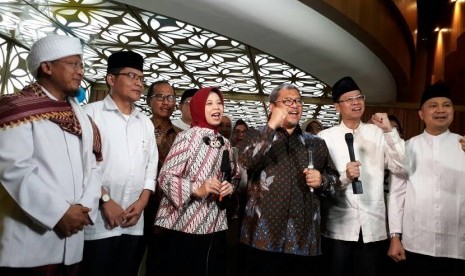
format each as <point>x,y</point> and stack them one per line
<point>356,184</point>
<point>225,169</point>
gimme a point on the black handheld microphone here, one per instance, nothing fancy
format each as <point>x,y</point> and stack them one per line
<point>225,175</point>
<point>356,184</point>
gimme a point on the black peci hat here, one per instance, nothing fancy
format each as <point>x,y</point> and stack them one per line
<point>126,59</point>
<point>344,85</point>
<point>438,89</point>
<point>188,93</point>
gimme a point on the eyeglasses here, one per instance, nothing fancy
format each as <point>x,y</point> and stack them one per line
<point>289,101</point>
<point>353,99</point>
<point>161,97</point>
<point>132,76</point>
<point>73,64</point>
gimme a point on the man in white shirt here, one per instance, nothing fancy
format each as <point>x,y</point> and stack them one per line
<point>185,121</point>
<point>50,180</point>
<point>427,203</point>
<point>114,244</point>
<point>354,225</point>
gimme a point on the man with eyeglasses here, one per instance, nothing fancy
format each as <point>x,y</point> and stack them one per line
<point>49,170</point>
<point>355,224</point>
<point>185,121</point>
<point>281,226</point>
<point>114,244</point>
<point>162,100</point>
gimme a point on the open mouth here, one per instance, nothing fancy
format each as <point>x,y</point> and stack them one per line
<point>216,116</point>
<point>440,118</point>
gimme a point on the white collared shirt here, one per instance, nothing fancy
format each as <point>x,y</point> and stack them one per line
<point>428,207</point>
<point>130,161</point>
<point>346,212</point>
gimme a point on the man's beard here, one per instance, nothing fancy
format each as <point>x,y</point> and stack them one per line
<point>73,93</point>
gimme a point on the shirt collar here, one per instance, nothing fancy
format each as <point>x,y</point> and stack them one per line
<point>353,131</point>
<point>109,104</point>
<point>439,137</point>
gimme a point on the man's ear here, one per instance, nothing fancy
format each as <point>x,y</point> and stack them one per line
<point>45,68</point>
<point>337,107</point>
<point>420,113</point>
<point>271,106</point>
<point>110,79</point>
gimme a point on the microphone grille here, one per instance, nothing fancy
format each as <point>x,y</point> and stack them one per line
<point>349,137</point>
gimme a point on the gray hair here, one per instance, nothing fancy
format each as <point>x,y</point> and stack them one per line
<point>275,92</point>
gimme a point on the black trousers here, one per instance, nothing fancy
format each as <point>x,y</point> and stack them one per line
<point>423,265</point>
<point>264,263</point>
<point>346,258</point>
<point>46,270</point>
<point>113,256</point>
<point>174,253</point>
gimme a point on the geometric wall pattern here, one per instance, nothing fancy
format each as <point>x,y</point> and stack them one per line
<point>183,54</point>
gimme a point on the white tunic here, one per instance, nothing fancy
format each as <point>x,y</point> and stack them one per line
<point>428,207</point>
<point>180,124</point>
<point>346,212</point>
<point>44,169</point>
<point>130,161</point>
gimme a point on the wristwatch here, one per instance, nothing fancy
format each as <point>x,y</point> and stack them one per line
<point>105,198</point>
<point>392,235</point>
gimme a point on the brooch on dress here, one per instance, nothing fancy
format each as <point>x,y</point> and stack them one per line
<point>218,142</point>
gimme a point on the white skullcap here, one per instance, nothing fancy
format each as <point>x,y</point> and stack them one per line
<point>52,47</point>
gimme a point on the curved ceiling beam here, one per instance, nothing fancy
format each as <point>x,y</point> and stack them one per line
<point>291,31</point>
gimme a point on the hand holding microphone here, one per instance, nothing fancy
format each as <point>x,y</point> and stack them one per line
<point>353,167</point>
<point>312,176</point>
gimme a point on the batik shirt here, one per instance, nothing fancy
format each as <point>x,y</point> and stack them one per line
<point>188,164</point>
<point>282,214</point>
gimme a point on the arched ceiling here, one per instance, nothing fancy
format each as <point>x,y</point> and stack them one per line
<point>291,31</point>
<point>263,43</point>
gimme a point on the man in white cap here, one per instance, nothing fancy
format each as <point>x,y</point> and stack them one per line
<point>49,173</point>
<point>114,244</point>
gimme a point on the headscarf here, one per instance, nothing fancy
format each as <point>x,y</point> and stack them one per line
<point>197,106</point>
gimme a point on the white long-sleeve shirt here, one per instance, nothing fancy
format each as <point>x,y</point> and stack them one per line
<point>44,169</point>
<point>428,206</point>
<point>130,161</point>
<point>346,212</point>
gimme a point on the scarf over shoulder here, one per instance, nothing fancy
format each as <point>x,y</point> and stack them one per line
<point>32,104</point>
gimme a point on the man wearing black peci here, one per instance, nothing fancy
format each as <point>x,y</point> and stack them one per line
<point>355,217</point>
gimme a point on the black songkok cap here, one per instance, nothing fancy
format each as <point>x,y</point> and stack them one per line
<point>344,85</point>
<point>126,59</point>
<point>439,89</point>
<point>188,93</point>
